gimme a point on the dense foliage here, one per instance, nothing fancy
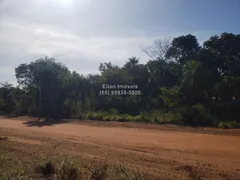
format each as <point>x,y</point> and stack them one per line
<point>192,84</point>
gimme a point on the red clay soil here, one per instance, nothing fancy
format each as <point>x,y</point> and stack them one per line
<point>165,154</point>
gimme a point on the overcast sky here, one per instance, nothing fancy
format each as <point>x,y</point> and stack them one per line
<point>83,33</point>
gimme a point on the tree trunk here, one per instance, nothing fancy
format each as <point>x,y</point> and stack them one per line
<point>40,104</point>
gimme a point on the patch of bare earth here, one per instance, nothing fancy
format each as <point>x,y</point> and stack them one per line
<point>160,153</point>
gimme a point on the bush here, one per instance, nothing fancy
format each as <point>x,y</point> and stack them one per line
<point>137,118</point>
<point>160,117</point>
<point>150,117</point>
<point>113,112</point>
<point>229,125</point>
<point>111,115</point>
<point>119,118</point>
<point>170,118</point>
<point>108,118</point>
<point>197,115</point>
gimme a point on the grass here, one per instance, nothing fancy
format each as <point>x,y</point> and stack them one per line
<point>10,166</point>
<point>17,164</point>
<point>69,168</point>
<point>189,173</point>
<point>62,168</point>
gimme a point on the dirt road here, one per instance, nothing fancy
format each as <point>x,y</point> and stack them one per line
<point>162,153</point>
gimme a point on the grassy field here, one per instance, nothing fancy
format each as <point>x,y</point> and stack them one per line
<point>17,162</point>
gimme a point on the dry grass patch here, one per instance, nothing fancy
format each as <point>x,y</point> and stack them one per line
<point>16,163</point>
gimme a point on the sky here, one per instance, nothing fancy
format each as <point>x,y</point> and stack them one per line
<point>84,33</point>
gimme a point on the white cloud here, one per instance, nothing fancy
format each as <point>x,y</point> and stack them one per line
<point>79,33</point>
<point>27,42</point>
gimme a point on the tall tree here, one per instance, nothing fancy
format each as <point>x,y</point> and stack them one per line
<point>49,78</point>
<point>183,48</point>
<point>225,53</point>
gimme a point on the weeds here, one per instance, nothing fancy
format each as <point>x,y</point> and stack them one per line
<point>99,171</point>
<point>189,173</point>
<point>125,173</point>
<point>9,165</point>
<point>67,168</point>
<point>47,169</point>
<point>70,169</point>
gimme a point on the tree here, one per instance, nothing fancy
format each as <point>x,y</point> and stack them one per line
<point>225,52</point>
<point>158,49</point>
<point>183,48</point>
<point>7,99</point>
<point>6,85</point>
<point>132,62</point>
<point>197,83</point>
<point>170,96</point>
<point>229,88</point>
<point>136,73</point>
<point>188,76</point>
<point>49,78</point>
<point>105,66</point>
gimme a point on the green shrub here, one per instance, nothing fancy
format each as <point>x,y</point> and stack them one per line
<point>98,115</point>
<point>137,118</point>
<point>229,125</point>
<point>223,125</point>
<point>93,116</point>
<point>113,112</point>
<point>113,115</point>
<point>160,117</point>
<point>169,118</point>
<point>119,118</point>
<point>143,117</point>
<point>107,118</point>
<point>148,116</point>
<point>196,115</point>
<point>124,118</point>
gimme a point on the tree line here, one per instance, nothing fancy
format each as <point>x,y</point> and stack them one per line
<point>191,83</point>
